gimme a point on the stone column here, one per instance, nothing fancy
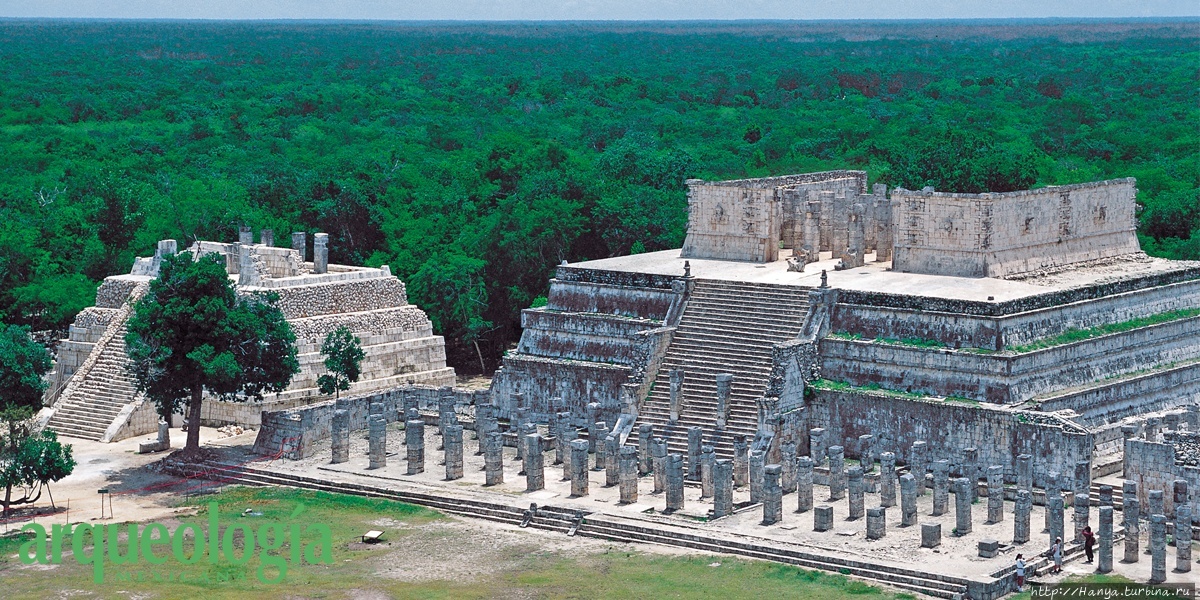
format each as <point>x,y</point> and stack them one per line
<point>695,441</point>
<point>741,461</point>
<point>1158,548</point>
<point>565,433</point>
<point>658,449</point>
<point>300,244</point>
<point>804,484</point>
<point>535,475</point>
<point>919,464</point>
<point>962,506</point>
<point>446,414</point>
<point>707,457</point>
<point>931,535</point>
<point>454,452</point>
<point>339,440</point>
<point>1055,511</point>
<point>579,470</point>
<point>1021,510</point>
<point>817,446</point>
<point>595,427</point>
<point>1106,540</point>
<point>724,385</point>
<point>876,522</point>
<point>772,495</point>
<point>267,237</point>
<point>527,428</point>
<point>674,482</point>
<point>570,434</point>
<point>414,435</point>
<point>856,487</point>
<point>866,452</point>
<point>1106,495</point>
<point>1180,496</point>
<point>1053,490</point>
<point>1129,512</point>
<point>600,454</point>
<point>1151,430</point>
<point>1081,516</point>
<point>485,423</point>
<point>493,458</point>
<point>787,454</point>
<point>757,463</point>
<point>1154,503</point>
<point>612,449</point>
<point>245,235</point>
<point>676,390</point>
<point>1025,472</point>
<point>941,487</point>
<point>645,458</point>
<point>517,426</point>
<point>823,518</point>
<point>628,473</point>
<point>887,479</point>
<point>377,438</point>
<point>722,488</point>
<point>995,478</point>
<point>970,470</point>
<point>321,253</point>
<point>1183,537</point>
<point>908,500</point>
<point>837,473</point>
<point>552,427</point>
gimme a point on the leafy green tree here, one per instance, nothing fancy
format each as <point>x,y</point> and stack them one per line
<point>343,359</point>
<point>193,333</point>
<point>23,363</point>
<point>41,459</point>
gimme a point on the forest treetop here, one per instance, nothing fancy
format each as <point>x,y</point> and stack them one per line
<point>474,158</point>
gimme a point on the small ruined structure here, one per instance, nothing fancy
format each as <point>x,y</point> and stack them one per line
<point>92,396</point>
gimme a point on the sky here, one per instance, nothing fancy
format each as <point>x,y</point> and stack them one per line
<point>594,9</point>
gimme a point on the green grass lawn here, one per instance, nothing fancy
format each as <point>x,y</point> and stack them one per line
<point>534,572</point>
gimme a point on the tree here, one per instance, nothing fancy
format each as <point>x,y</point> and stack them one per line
<point>23,363</point>
<point>343,357</point>
<point>193,333</point>
<point>39,459</point>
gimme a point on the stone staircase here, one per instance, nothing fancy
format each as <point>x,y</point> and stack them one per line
<point>106,389</point>
<point>727,327</point>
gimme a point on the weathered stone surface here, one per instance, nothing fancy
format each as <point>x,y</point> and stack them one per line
<point>627,468</point>
<point>787,457</point>
<point>1081,516</point>
<point>1158,548</point>
<point>579,468</point>
<point>674,482</point>
<point>535,475</point>
<point>1183,538</point>
<point>931,535</point>
<point>601,429</point>
<point>823,518</point>
<point>804,484</point>
<point>724,384</point>
<point>377,442</point>
<point>1105,559</point>
<point>741,461</point>
<point>995,478</point>
<point>918,464</point>
<point>707,457</point>
<point>611,457</point>
<point>962,506</point>
<point>837,473</point>
<point>493,458</point>
<point>908,500</point>
<point>876,522</point>
<point>1025,472</point>
<point>1052,491</point>
<point>414,436</point>
<point>866,452</point>
<point>645,457</point>
<point>695,441</point>
<point>1130,513</point>
<point>1021,510</point>
<point>658,449</point>
<point>340,437</point>
<point>772,495</point>
<point>756,475</point>
<point>941,487</point>
<point>817,446</point>
<point>453,441</point>
<point>887,479</point>
<point>722,488</point>
<point>1056,519</point>
<point>856,493</point>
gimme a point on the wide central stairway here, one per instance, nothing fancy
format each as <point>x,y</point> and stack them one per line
<point>727,327</point>
<point>107,388</point>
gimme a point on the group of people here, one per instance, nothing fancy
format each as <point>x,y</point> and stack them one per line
<point>1056,553</point>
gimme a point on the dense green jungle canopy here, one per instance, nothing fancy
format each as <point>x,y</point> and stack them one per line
<point>475,158</point>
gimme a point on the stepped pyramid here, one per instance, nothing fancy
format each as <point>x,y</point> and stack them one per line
<point>95,404</point>
<point>727,327</point>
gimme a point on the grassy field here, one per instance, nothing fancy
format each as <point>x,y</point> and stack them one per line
<point>528,571</point>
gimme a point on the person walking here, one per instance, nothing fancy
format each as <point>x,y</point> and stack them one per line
<point>1089,542</point>
<point>1020,572</point>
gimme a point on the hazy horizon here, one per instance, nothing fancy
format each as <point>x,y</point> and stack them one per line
<point>599,10</point>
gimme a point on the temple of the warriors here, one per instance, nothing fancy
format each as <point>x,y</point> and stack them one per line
<point>92,396</point>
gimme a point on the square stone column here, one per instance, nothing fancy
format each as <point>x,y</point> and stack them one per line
<point>579,468</point>
<point>1056,519</point>
<point>674,482</point>
<point>627,472</point>
<point>377,442</point>
<point>339,440</point>
<point>645,458</point>
<point>931,535</point>
<point>887,479</point>
<point>962,506</point>
<point>866,452</point>
<point>707,457</point>
<point>876,522</point>
<point>995,478</point>
<point>722,488</point>
<point>1106,540</point>
<point>676,394</point>
<point>320,253</point>
<point>1053,490</point>
<point>1183,537</point>
<point>757,464</point>
<point>414,435</point>
<point>741,461</point>
<point>493,458</point>
<point>1021,510</point>
<point>788,462</point>
<point>612,449</point>
<point>453,441</point>
<point>535,475</point>
<point>823,518</point>
<point>772,495</point>
<point>658,448</point>
<point>1025,472</point>
<point>1158,548</point>
<point>817,446</point>
<point>856,494</point>
<point>908,500</point>
<point>724,385</point>
<point>300,244</point>
<point>695,441</point>
<point>941,487</point>
<point>804,484</point>
<point>837,473</point>
<point>918,465</point>
<point>1130,513</point>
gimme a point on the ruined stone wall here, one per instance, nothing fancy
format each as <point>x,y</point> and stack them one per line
<point>1110,402</point>
<point>577,382</point>
<point>835,215</point>
<point>1156,466</point>
<point>1009,378</point>
<point>998,331</point>
<point>313,299</point>
<point>1002,235</point>
<point>948,428</point>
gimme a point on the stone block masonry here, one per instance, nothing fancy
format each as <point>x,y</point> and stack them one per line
<point>723,488</point>
<point>535,476</point>
<point>628,474</point>
<point>414,433</point>
<point>674,482</point>
<point>876,522</point>
<point>772,495</point>
<point>493,458</point>
<point>454,452</point>
<point>579,469</point>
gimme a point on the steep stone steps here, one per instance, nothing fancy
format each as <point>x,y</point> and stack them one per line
<point>727,327</point>
<point>106,389</point>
